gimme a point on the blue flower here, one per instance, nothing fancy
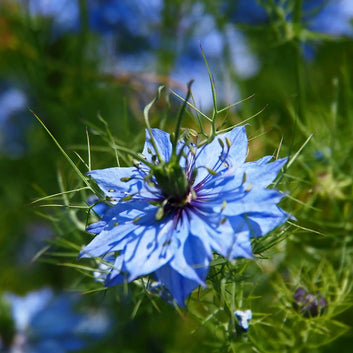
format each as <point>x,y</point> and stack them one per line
<point>65,14</point>
<point>47,323</point>
<point>225,44</point>
<point>245,11</point>
<point>335,18</point>
<point>171,212</point>
<point>14,121</point>
<point>324,16</point>
<point>128,17</point>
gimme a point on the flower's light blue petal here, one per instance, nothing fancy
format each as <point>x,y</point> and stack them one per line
<point>221,187</point>
<point>146,244</point>
<point>119,222</point>
<point>215,234</point>
<point>155,246</point>
<point>100,208</point>
<point>96,228</point>
<point>109,181</point>
<point>261,223</point>
<point>163,144</point>
<point>118,274</point>
<point>261,172</point>
<point>212,155</point>
<point>108,240</point>
<point>179,286</point>
<point>192,261</point>
<point>242,245</point>
<point>257,199</point>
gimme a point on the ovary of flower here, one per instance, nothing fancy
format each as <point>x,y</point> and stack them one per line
<point>184,203</point>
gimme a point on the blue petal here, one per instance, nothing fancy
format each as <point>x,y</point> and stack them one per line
<point>118,273</point>
<point>179,286</point>
<point>206,225</point>
<point>96,228</point>
<point>209,155</point>
<point>264,222</point>
<point>221,187</point>
<point>119,221</point>
<point>163,144</point>
<point>262,173</point>
<point>109,181</point>
<point>192,261</point>
<point>100,208</point>
<point>152,249</point>
<point>242,245</point>
<point>257,199</point>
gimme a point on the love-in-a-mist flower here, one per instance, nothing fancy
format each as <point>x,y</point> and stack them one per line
<point>182,202</point>
<point>44,322</point>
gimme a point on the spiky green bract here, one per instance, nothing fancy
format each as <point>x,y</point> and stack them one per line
<point>169,214</point>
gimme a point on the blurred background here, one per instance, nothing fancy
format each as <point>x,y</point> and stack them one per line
<point>90,66</point>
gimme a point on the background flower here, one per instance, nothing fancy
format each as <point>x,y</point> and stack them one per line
<point>48,323</point>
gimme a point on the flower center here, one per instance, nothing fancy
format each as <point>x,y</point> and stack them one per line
<point>172,181</point>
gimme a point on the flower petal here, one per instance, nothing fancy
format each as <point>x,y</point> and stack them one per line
<point>117,227</point>
<point>152,249</point>
<point>261,172</point>
<point>261,223</point>
<point>214,234</point>
<point>110,182</point>
<point>242,245</point>
<point>179,286</point>
<point>212,155</point>
<point>163,144</point>
<point>192,261</point>
<point>257,199</point>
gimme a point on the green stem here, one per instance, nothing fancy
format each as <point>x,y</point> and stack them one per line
<point>180,117</point>
<point>145,114</point>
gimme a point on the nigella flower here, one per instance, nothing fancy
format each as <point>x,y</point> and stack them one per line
<point>45,323</point>
<point>182,202</point>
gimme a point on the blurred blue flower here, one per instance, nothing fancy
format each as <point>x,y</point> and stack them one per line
<point>170,213</point>
<point>245,11</point>
<point>13,121</point>
<point>325,16</point>
<point>65,14</point>
<point>35,238</point>
<point>335,17</point>
<point>227,45</point>
<point>47,323</point>
<point>124,17</point>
